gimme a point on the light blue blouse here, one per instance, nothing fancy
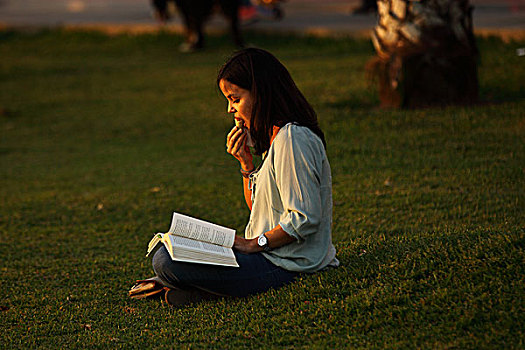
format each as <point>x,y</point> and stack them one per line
<point>293,188</point>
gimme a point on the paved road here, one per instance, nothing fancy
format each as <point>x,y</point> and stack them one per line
<point>318,16</point>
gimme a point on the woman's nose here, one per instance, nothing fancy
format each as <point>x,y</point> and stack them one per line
<point>231,109</point>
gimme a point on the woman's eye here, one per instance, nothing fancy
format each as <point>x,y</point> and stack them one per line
<point>236,101</point>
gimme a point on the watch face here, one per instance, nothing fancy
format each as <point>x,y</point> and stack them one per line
<point>262,241</point>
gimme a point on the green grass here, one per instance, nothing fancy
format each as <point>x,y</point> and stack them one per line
<point>102,137</point>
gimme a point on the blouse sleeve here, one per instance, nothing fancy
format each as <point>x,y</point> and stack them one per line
<point>298,165</point>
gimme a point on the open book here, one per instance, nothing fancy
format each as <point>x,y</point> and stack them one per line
<point>196,241</point>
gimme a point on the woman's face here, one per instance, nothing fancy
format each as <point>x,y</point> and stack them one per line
<point>240,101</point>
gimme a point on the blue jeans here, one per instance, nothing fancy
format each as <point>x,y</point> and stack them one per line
<point>256,274</point>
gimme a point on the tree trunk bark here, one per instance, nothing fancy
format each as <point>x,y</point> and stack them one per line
<point>426,53</point>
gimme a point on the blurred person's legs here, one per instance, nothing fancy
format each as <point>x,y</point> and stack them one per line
<point>247,12</point>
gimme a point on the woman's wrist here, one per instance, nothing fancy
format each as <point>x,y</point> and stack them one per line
<point>247,246</point>
<point>255,248</point>
<point>247,164</point>
<point>245,173</point>
<point>247,169</point>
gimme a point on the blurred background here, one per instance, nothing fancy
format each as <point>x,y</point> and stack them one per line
<point>316,16</point>
<point>103,136</point>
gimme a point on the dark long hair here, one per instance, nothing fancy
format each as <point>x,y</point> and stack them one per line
<point>276,99</point>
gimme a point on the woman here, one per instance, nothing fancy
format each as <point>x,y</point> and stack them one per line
<point>289,194</point>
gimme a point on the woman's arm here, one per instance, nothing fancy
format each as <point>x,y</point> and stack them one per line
<point>236,146</point>
<point>277,237</point>
<point>247,191</point>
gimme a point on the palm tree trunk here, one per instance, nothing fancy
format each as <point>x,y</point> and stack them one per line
<point>426,53</point>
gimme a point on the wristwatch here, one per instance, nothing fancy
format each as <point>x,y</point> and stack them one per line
<point>262,241</point>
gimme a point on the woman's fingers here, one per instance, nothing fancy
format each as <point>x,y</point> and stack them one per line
<point>237,145</point>
<point>233,138</point>
<point>235,130</point>
<point>232,131</point>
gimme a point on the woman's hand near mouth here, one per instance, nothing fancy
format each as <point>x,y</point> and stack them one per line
<point>236,146</point>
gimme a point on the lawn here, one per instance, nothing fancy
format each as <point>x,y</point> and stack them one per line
<point>103,137</point>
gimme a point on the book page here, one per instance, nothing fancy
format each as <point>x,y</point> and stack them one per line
<point>185,226</point>
<point>157,238</point>
<point>197,246</point>
<point>188,250</point>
